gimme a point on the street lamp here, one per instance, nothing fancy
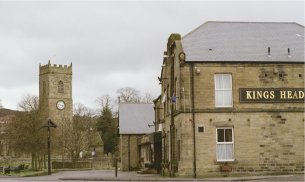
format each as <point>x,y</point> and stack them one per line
<point>49,125</point>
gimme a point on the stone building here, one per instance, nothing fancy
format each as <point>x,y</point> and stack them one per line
<point>151,152</point>
<point>232,99</point>
<point>135,121</point>
<point>55,92</point>
<point>55,102</point>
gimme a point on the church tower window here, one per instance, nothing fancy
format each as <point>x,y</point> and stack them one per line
<point>44,88</point>
<point>60,87</point>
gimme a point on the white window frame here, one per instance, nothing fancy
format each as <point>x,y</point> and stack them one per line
<point>217,89</point>
<point>225,143</point>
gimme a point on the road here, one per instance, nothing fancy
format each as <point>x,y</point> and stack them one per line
<point>107,175</point>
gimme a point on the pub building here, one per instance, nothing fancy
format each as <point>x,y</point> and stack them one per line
<point>232,100</point>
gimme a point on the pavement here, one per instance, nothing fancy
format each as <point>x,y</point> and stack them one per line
<point>133,176</point>
<point>109,175</point>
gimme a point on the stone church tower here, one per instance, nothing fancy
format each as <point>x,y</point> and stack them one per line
<point>55,92</point>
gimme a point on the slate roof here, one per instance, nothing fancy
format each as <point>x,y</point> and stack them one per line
<point>135,117</point>
<point>245,42</point>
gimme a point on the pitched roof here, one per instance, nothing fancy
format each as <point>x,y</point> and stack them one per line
<point>134,118</point>
<point>245,42</point>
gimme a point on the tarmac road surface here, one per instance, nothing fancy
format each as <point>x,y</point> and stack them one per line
<point>108,175</point>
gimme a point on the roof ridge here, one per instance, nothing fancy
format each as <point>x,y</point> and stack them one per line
<point>263,22</point>
<point>281,22</point>
<point>194,30</point>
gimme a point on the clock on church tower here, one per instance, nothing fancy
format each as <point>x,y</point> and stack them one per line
<point>55,92</point>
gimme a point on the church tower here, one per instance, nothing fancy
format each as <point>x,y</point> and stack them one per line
<point>55,92</point>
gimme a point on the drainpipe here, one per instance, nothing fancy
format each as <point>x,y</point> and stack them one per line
<point>172,125</point>
<point>163,150</point>
<point>193,119</point>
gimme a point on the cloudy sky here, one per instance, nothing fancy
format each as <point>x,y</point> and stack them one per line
<point>112,44</point>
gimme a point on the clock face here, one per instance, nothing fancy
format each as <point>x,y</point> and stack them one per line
<point>60,105</point>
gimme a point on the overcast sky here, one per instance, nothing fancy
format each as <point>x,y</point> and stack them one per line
<point>112,44</point>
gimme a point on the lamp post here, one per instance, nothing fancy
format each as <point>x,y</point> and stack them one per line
<point>49,125</point>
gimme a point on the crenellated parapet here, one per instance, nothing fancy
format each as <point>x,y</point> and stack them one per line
<point>55,68</point>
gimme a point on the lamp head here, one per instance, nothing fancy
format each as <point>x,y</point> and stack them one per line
<point>51,123</point>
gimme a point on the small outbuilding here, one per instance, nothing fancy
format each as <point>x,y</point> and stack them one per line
<point>135,121</point>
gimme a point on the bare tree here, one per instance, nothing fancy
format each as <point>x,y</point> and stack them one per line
<point>105,101</point>
<point>1,106</point>
<point>24,132</point>
<point>80,109</point>
<point>77,132</point>
<point>147,98</point>
<point>29,103</point>
<point>129,94</point>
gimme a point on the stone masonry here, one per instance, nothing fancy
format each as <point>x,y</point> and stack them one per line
<point>267,137</point>
<point>49,78</point>
<point>129,152</point>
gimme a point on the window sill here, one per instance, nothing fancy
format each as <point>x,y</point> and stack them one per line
<point>225,107</point>
<point>226,162</point>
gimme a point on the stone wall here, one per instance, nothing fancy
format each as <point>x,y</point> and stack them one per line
<point>49,77</point>
<point>268,137</point>
<point>103,163</point>
<point>129,150</point>
<point>71,165</point>
<point>244,76</point>
<point>97,163</point>
<point>263,142</point>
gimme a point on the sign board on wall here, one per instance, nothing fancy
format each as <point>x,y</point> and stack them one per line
<point>271,95</point>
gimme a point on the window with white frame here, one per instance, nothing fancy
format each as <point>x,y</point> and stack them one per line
<point>223,90</point>
<point>225,144</point>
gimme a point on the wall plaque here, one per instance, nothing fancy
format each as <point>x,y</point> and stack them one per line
<point>271,95</point>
